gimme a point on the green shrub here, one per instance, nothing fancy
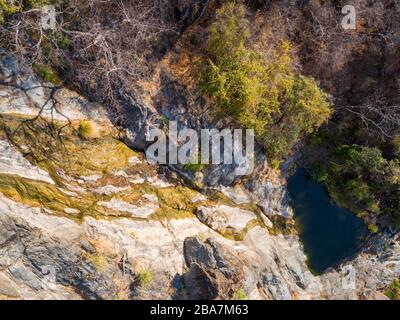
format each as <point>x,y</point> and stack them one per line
<point>318,174</point>
<point>85,129</point>
<point>7,8</point>
<point>195,165</point>
<point>360,179</point>
<point>263,95</point>
<point>145,278</point>
<point>38,3</point>
<point>373,228</point>
<point>46,73</point>
<point>393,292</point>
<point>98,261</point>
<point>239,294</point>
<point>62,40</point>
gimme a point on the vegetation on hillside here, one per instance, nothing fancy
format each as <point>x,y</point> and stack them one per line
<point>362,180</point>
<point>6,9</point>
<point>98,47</point>
<point>393,292</point>
<point>265,95</point>
<point>358,158</point>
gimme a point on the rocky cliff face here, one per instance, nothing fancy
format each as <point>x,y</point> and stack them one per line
<point>82,216</point>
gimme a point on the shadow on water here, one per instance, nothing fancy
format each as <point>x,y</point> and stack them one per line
<point>329,233</point>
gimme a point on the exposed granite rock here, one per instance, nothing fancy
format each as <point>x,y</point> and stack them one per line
<point>253,266</point>
<point>23,93</point>
<point>237,193</point>
<point>12,162</point>
<point>368,274</point>
<point>271,197</point>
<point>51,249</point>
<point>228,265</point>
<point>214,271</point>
<point>138,120</point>
<point>224,218</point>
<point>142,211</point>
<point>8,287</point>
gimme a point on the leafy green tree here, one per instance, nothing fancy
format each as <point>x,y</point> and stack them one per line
<point>393,292</point>
<point>38,3</point>
<point>360,179</point>
<point>7,8</point>
<point>260,94</point>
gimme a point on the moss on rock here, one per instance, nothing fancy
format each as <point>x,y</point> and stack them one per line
<point>393,292</point>
<point>44,195</point>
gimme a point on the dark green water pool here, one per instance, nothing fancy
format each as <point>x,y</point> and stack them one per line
<point>329,233</point>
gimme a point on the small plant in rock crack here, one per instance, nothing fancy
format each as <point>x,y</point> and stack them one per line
<point>145,278</point>
<point>85,129</point>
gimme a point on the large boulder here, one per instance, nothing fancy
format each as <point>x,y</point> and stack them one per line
<point>138,120</point>
<point>224,218</point>
<point>214,271</point>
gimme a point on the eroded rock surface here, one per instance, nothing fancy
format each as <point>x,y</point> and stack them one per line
<point>90,219</point>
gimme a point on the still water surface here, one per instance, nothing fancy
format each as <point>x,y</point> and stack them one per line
<point>329,233</point>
